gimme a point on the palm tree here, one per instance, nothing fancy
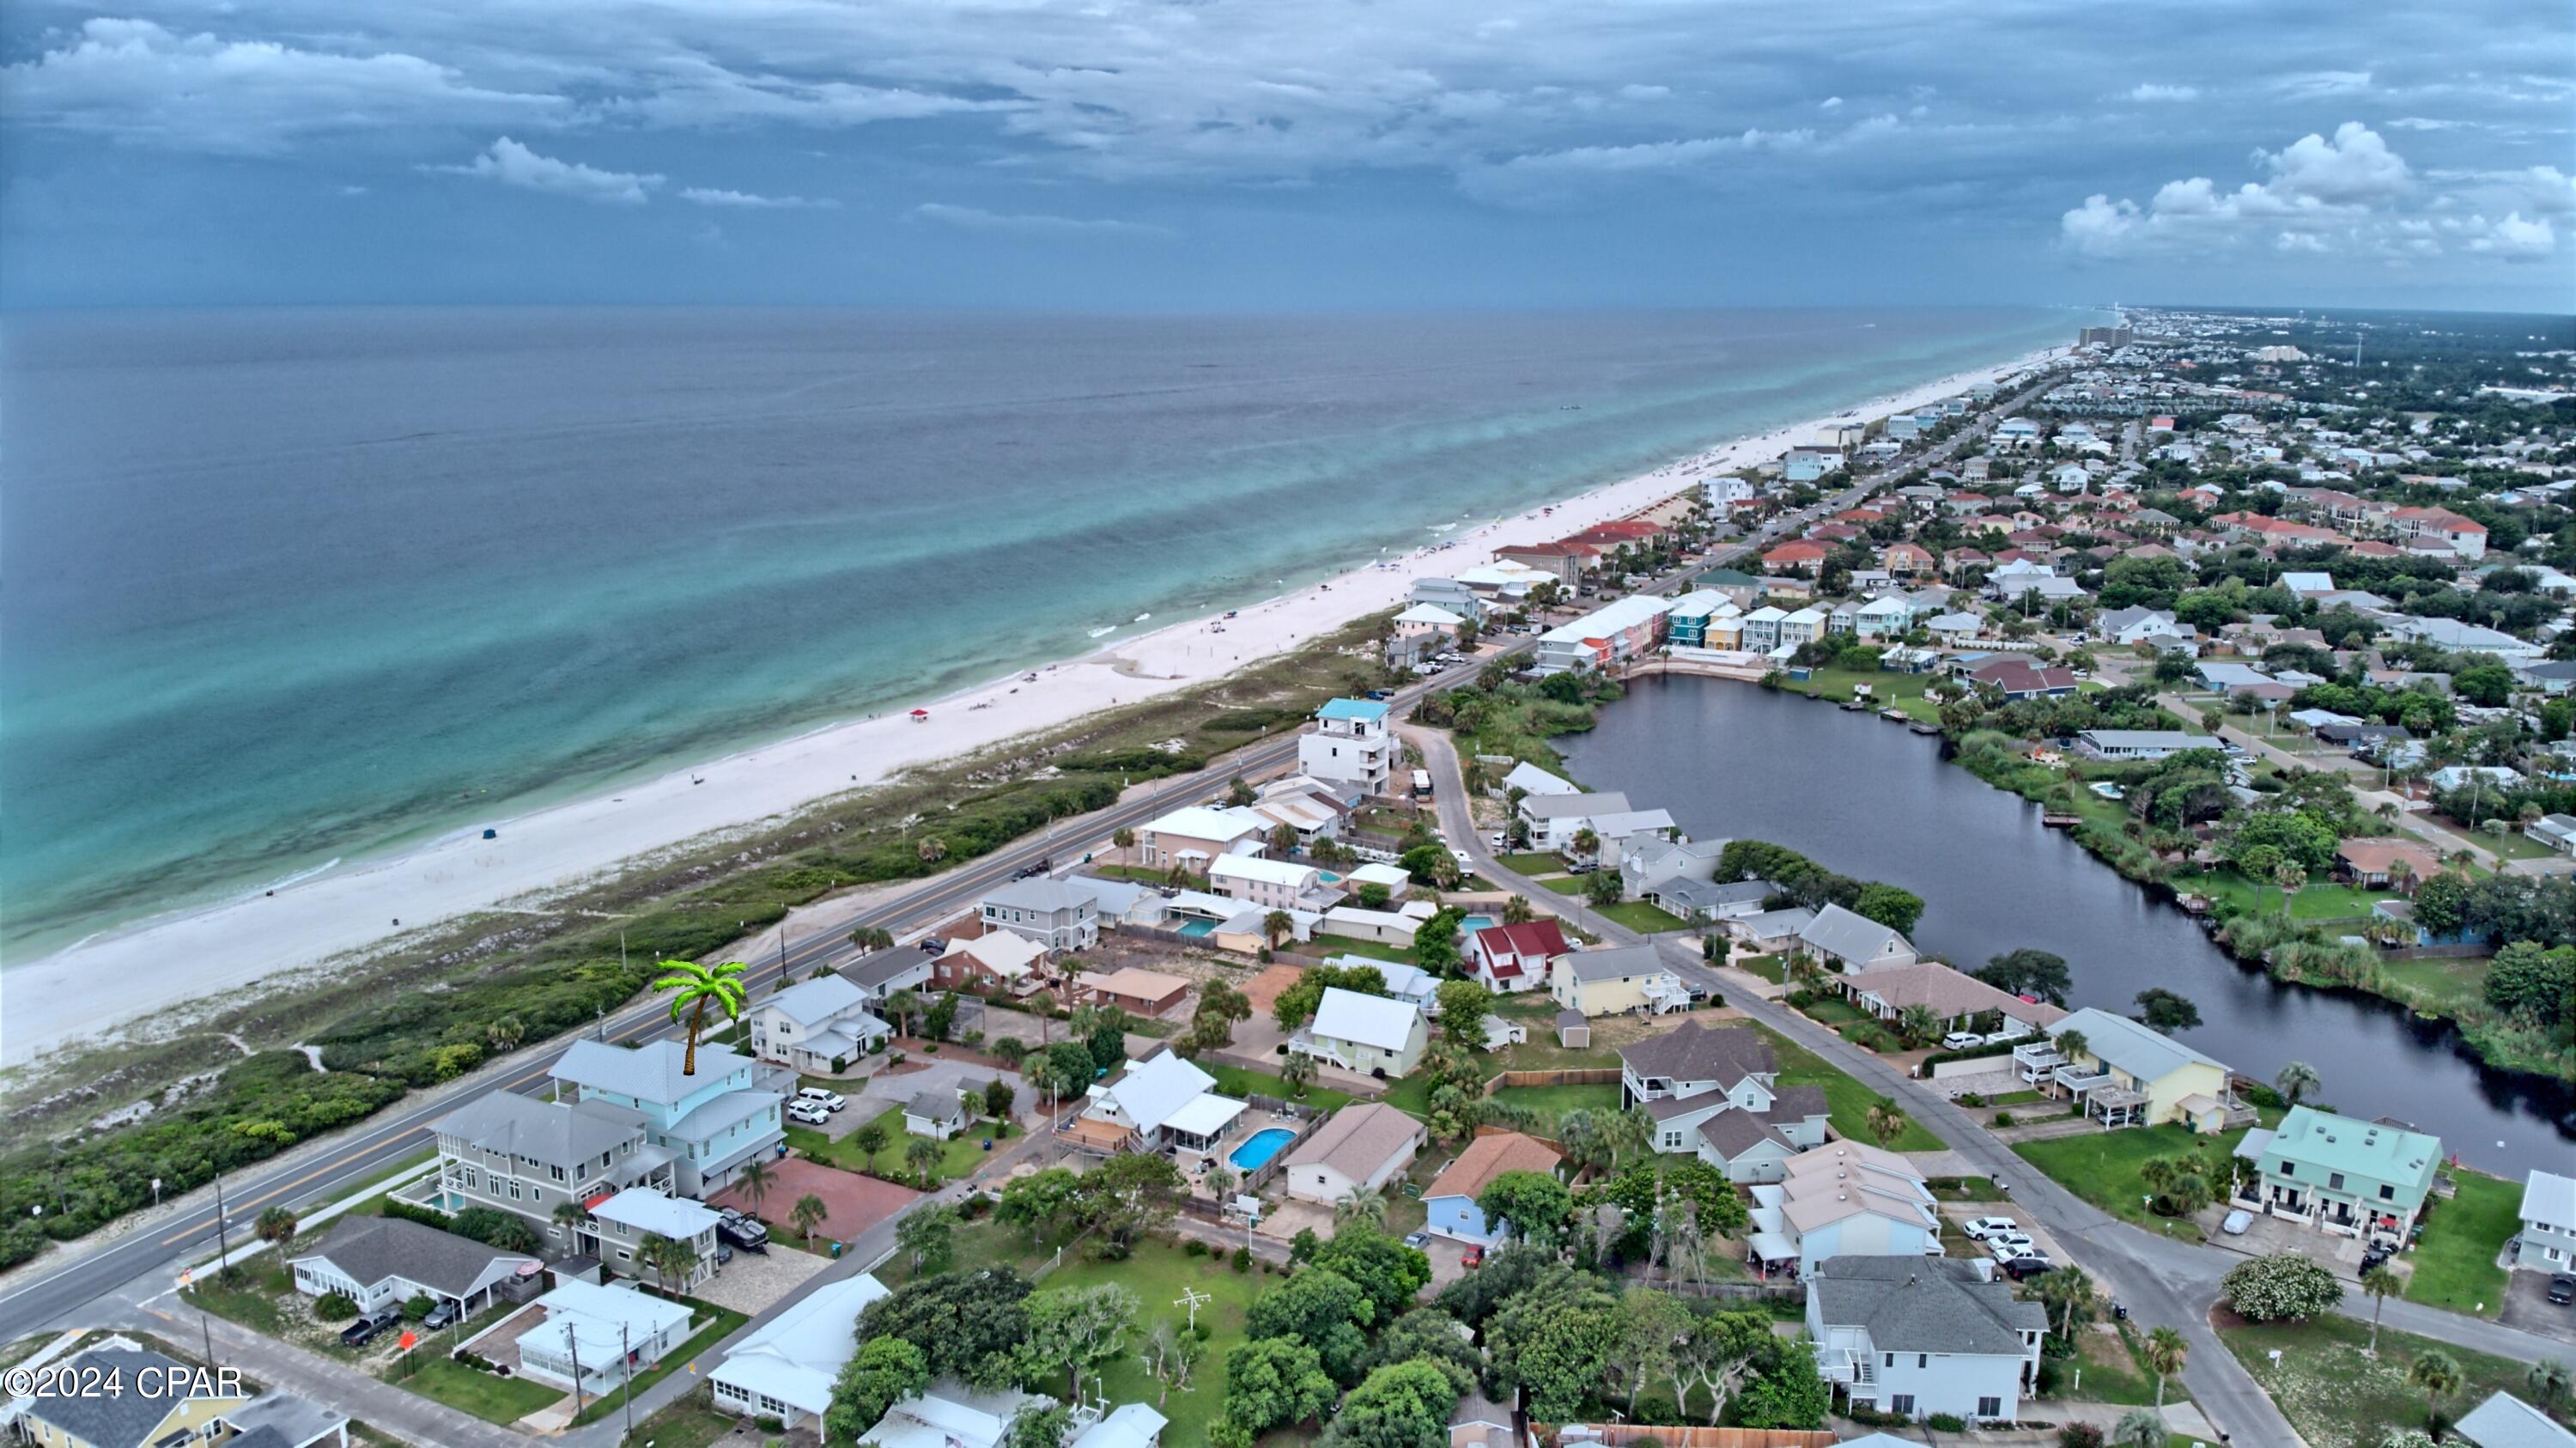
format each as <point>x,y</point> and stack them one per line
<point>2141,1428</point>
<point>1364,1205</point>
<point>1518,911</point>
<point>808,1213</point>
<point>1585,842</point>
<point>1298,1071</point>
<point>2166,1353</point>
<point>1628,1133</point>
<point>921,1155</point>
<point>692,986</point>
<point>1917,1024</point>
<point>2381,1284</point>
<point>2072,1044</point>
<point>1886,1122</point>
<point>872,937</point>
<point>2549,1382</point>
<point>1125,839</point>
<point>2438,1374</point>
<point>276,1226</point>
<point>1276,925</point>
<point>756,1181</point>
<point>2296,1080</point>
<point>1580,1135</point>
<point>903,1005</point>
<point>2292,877</point>
<point>570,1216</point>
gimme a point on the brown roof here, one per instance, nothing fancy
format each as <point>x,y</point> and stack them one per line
<point>1488,1157</point>
<point>2374,856</point>
<point>1797,1103</point>
<point>1735,1132</point>
<point>1693,1052</point>
<point>1947,992</point>
<point>1358,1140</point>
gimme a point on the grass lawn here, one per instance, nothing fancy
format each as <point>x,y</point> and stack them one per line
<point>1158,1274</point>
<point>1904,691</point>
<point>493,1399</point>
<point>1833,1011</point>
<point>1141,874</point>
<point>1548,1103</point>
<point>2455,1262</point>
<point>1366,949</point>
<point>2335,1397</point>
<point>2113,1372</point>
<point>1563,884</point>
<point>1541,1053</point>
<point>2439,986</point>
<point>1237,1082</point>
<point>958,1156</point>
<point>1412,1095</point>
<point>688,1423</point>
<point>1846,1100</point>
<point>1532,863</point>
<point>1639,915</point>
<point>1527,1005</point>
<point>2511,846</point>
<point>2324,900</point>
<point>726,1322</point>
<point>2102,1166</point>
<point>251,1298</point>
<point>1773,968</point>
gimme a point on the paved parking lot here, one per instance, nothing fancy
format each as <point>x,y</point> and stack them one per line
<point>854,1203</point>
<point>2268,1235</point>
<point>1958,1213</point>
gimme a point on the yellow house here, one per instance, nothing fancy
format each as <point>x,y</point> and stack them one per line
<point>2127,1075</point>
<point>1609,982</point>
<point>122,1397</point>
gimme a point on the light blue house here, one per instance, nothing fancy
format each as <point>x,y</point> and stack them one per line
<point>1451,1200</point>
<point>708,1123</point>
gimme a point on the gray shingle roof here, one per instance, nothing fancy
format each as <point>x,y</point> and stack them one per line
<point>1042,894</point>
<point>1924,1304</point>
<point>1847,936</point>
<point>1796,1103</point>
<point>1733,1133</point>
<point>371,1249</point>
<point>117,1421</point>
<point>816,1000</point>
<point>937,1106</point>
<point>1693,1052</point>
<point>545,1131</point>
<point>2505,1421</point>
<point>1570,806</point>
<point>295,1421</point>
<point>1590,965</point>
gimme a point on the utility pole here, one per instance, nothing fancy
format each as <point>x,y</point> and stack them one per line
<point>223,1249</point>
<point>627,1364</point>
<point>572,1341</point>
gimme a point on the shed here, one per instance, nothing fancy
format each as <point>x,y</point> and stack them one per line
<point>1573,1030</point>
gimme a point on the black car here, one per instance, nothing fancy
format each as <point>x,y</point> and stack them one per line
<point>365,1329</point>
<point>2562,1289</point>
<point>748,1233</point>
<point>2023,1268</point>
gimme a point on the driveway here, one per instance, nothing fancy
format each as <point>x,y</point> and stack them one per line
<point>754,1282</point>
<point>2527,1306</point>
<point>853,1203</point>
<point>883,1090</point>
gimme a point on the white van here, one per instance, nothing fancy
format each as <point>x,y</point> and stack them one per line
<point>828,1100</point>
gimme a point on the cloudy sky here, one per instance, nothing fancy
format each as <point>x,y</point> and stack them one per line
<point>1259,154</point>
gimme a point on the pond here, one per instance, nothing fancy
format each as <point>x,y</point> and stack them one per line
<point>1870,799</point>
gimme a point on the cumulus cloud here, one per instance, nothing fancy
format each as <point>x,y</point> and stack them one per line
<point>513,164</point>
<point>745,200</point>
<point>1830,103</point>
<point>2515,239</point>
<point>969,218</point>
<point>2315,183</point>
<point>137,82</point>
<point>2356,168</point>
<point>2150,91</point>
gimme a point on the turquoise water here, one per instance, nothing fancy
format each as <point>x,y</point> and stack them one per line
<point>1260,1147</point>
<point>1198,928</point>
<point>1473,923</point>
<point>290,587</point>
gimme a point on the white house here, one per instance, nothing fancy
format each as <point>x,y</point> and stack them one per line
<point>1555,819</point>
<point>1364,1033</point>
<point>610,1331</point>
<point>785,1368</point>
<point>1191,837</point>
<point>2548,1218</point>
<point>817,1027</point>
<point>1164,1100</point>
<point>1842,1198</point>
<point>1351,746</point>
<point>1270,884</point>
<point>1915,1336</point>
<point>625,1221</point>
<point>1363,1146</point>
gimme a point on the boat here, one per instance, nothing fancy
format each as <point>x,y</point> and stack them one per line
<point>2057,821</point>
<point>1853,705</point>
<point>1922,727</point>
<point>1891,712</point>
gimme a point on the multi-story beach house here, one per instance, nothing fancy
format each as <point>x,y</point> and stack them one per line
<point>528,1156</point>
<point>1368,1034</point>
<point>2124,1074</point>
<point>2336,1174</point>
<point>1056,914</point>
<point>1610,635</point>
<point>1621,979</point>
<point>1270,884</point>
<point>711,1122</point>
<point>1351,746</point>
<point>2548,1237</point>
<point>1915,1336</point>
<point>1715,1093</point>
<point>1842,1199</point>
<point>1192,836</point>
<point>819,1026</point>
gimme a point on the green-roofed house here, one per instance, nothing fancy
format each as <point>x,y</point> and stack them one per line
<point>2353,1178</point>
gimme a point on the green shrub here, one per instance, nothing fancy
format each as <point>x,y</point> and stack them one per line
<point>334,1307</point>
<point>1946,1423</point>
<point>418,1306</point>
<point>1243,1259</point>
<point>2003,1118</point>
<point>1194,1248</point>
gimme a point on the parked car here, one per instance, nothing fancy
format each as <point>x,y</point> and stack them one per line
<point>748,1233</point>
<point>441,1315</point>
<point>809,1112</point>
<point>1981,1228</point>
<point>2562,1289</point>
<point>1961,1040</point>
<point>2236,1222</point>
<point>829,1100</point>
<point>2027,1266</point>
<point>1475,1257</point>
<point>1417,1239</point>
<point>932,944</point>
<point>365,1329</point>
<point>2005,1246</point>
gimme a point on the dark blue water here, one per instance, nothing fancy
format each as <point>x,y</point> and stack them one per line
<point>285,586</point>
<point>1868,798</point>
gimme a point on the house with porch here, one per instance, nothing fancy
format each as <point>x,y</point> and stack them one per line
<point>1350,746</point>
<point>1162,1101</point>
<point>527,1156</point>
<point>620,1225</point>
<point>2385,863</point>
<point>1369,1034</point>
<point>2123,1074</point>
<point>1842,1198</point>
<point>386,1261</point>
<point>1914,1336</point>
<point>1268,884</point>
<point>818,1026</point>
<point>1850,942</point>
<point>939,1115</point>
<point>1450,1200</point>
<point>1507,959</point>
<point>594,1338</point>
<point>996,962</point>
<point>1051,913</point>
<point>711,1121</point>
<point>2336,1174</point>
<point>1361,1147</point>
<point>786,1367</point>
<point>1692,1072</point>
<point>1647,864</point>
<point>1620,979</point>
<point>1958,1001</point>
<point>1555,819</point>
<point>1193,836</point>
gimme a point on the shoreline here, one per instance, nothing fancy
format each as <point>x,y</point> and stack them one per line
<point>339,911</point>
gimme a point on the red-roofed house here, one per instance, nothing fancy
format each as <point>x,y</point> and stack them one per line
<point>1795,556</point>
<point>2019,679</point>
<point>2466,536</point>
<point>1508,958</point>
<point>1906,560</point>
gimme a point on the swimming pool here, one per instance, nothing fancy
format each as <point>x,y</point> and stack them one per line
<point>1328,877</point>
<point>1260,1147</point>
<point>1473,923</point>
<point>1198,928</point>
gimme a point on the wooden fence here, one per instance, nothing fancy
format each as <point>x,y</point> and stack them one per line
<point>1617,1435</point>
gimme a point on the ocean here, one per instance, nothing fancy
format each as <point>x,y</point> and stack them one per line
<point>286,588</point>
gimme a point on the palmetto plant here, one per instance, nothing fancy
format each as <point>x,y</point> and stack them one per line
<point>2438,1374</point>
<point>2166,1353</point>
<point>692,987</point>
<point>2381,1284</point>
<point>2296,1080</point>
<point>1364,1205</point>
<point>756,1181</point>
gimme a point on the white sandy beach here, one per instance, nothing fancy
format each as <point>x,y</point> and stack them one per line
<point>138,973</point>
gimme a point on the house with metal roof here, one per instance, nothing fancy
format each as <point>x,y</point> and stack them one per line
<point>785,1367</point>
<point>2505,1421</point>
<point>1373,1035</point>
<point>594,1338</point>
<point>1509,958</point>
<point>2336,1174</point>
<point>381,1261</point>
<point>1852,941</point>
<point>623,1223</point>
<point>712,1120</point>
<point>1056,914</point>
<point>818,1026</point>
<point>1626,978</point>
<point>528,1156</point>
<point>2548,1216</point>
<point>1915,1336</point>
<point>2124,1074</point>
<point>1162,1101</point>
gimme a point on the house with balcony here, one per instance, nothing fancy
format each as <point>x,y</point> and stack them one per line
<point>1193,836</point>
<point>1844,1198</point>
<point>2123,1074</point>
<point>1163,1101</point>
<point>2547,1242</point>
<point>711,1122</point>
<point>996,962</point>
<point>1271,884</point>
<point>818,1027</point>
<point>529,1157</point>
<point>1422,631</point>
<point>2352,1178</point>
<point>1915,1336</point>
<point>1648,863</point>
<point>1369,1034</point>
<point>1058,915</point>
<point>622,1224</point>
<point>157,1401</point>
<point>1506,959</point>
<point>1627,978</point>
<point>1351,747</point>
<point>1714,1092</point>
<point>1611,635</point>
